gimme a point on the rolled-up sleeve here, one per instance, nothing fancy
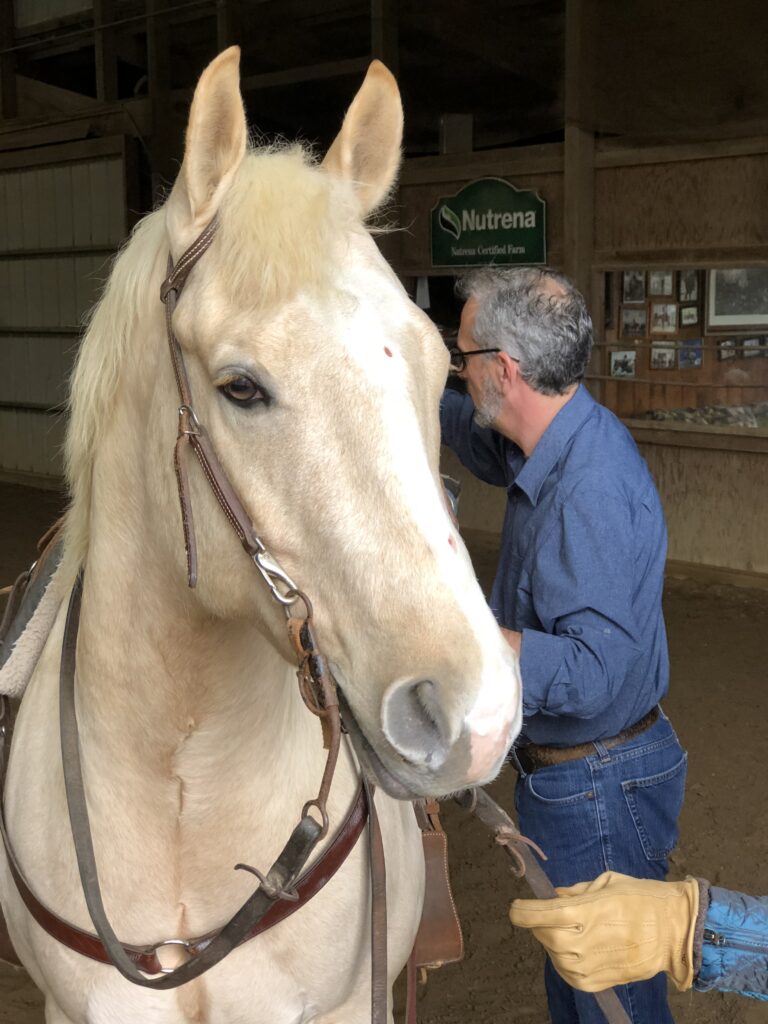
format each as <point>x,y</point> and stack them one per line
<point>581,588</point>
<point>481,450</point>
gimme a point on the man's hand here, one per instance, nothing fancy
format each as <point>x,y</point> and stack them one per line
<point>616,930</point>
<point>513,638</point>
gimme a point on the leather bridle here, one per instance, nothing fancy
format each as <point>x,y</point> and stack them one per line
<point>286,885</point>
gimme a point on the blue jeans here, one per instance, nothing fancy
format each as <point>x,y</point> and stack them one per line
<point>615,810</point>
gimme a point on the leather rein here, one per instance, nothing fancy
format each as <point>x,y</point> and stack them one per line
<point>286,885</point>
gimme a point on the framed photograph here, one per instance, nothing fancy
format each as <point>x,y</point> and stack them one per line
<point>663,357</point>
<point>750,347</point>
<point>634,322</point>
<point>726,349</point>
<point>691,354</point>
<point>737,298</point>
<point>689,315</point>
<point>663,317</point>
<point>661,282</point>
<point>633,286</point>
<point>623,364</point>
<point>688,286</point>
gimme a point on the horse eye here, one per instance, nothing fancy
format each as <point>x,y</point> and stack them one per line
<point>243,391</point>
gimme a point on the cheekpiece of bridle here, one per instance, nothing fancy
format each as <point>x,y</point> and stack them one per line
<point>315,681</point>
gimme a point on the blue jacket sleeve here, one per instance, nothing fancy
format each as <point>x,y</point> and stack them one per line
<point>581,588</point>
<point>481,450</point>
<point>734,952</point>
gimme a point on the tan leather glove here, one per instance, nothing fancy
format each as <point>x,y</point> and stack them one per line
<point>616,930</point>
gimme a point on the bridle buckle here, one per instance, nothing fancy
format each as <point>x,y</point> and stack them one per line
<point>188,415</point>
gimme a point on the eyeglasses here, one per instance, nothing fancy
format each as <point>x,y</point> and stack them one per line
<point>459,358</point>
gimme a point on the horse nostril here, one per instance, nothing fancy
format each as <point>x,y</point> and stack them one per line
<point>414,722</point>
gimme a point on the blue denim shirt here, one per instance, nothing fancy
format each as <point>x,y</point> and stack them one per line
<point>581,567</point>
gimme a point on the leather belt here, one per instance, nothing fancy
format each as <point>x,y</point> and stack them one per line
<point>535,755</point>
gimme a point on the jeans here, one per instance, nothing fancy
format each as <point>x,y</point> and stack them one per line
<point>615,810</point>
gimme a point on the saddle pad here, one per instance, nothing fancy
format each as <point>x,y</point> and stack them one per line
<point>30,626</point>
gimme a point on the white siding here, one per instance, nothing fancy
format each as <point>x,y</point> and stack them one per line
<point>58,225</point>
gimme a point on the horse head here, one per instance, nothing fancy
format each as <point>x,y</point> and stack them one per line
<point>319,381</point>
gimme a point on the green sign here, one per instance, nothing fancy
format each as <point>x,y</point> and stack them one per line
<point>488,221</point>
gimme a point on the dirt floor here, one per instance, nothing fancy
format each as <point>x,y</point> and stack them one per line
<point>719,647</point>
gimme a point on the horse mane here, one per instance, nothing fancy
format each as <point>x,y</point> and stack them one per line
<point>277,229</point>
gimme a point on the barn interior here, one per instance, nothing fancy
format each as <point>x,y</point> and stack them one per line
<point>644,130</point>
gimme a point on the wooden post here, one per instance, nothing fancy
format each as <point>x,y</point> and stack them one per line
<point>163,144</point>
<point>579,169</point>
<point>384,44</point>
<point>8,99</point>
<point>105,52</point>
<point>226,24</point>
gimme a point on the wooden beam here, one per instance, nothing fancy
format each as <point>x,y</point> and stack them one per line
<point>309,73</point>
<point>579,161</point>
<point>105,51</point>
<point>699,435</point>
<point>516,161</point>
<point>71,152</point>
<point>610,153</point>
<point>683,258</point>
<point>8,98</point>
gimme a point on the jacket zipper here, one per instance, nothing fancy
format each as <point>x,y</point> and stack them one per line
<point>723,941</point>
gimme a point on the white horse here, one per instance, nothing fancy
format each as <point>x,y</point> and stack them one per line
<point>319,382</point>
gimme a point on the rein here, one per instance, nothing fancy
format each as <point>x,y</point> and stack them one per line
<point>285,886</point>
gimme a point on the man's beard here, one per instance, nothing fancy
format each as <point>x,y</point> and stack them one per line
<point>490,406</point>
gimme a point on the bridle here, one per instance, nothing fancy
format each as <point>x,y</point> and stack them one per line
<point>286,885</point>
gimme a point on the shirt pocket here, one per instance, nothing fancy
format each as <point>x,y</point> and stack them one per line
<point>655,802</point>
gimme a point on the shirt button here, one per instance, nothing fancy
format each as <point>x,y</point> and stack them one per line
<point>574,631</point>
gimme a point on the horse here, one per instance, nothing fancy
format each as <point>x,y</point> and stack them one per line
<point>318,381</point>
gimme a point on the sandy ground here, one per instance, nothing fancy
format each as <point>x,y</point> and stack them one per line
<point>719,642</point>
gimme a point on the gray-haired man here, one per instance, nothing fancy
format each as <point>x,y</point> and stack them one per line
<point>577,594</point>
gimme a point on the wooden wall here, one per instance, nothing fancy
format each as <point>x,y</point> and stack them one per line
<point>426,179</point>
<point>714,489</point>
<point>709,209</point>
<point>62,216</point>
<point>671,207</point>
<point>692,205</point>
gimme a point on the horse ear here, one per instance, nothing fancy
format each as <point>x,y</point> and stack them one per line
<point>215,144</point>
<point>366,152</point>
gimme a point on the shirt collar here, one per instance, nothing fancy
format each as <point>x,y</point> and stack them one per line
<point>545,455</point>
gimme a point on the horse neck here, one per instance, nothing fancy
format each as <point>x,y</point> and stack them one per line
<point>155,670</point>
<point>153,673</point>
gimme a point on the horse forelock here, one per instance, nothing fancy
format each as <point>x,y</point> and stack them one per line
<point>279,227</point>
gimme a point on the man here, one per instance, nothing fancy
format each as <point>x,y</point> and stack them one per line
<point>577,595</point>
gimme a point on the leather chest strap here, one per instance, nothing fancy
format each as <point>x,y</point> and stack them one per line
<point>145,957</point>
